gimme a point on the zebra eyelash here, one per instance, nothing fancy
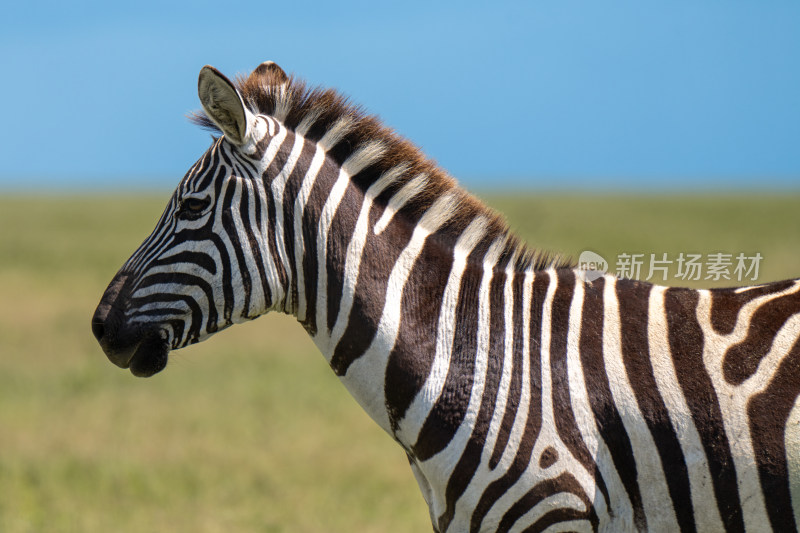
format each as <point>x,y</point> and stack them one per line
<point>192,208</point>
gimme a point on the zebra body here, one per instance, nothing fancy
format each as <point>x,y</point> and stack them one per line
<point>527,396</point>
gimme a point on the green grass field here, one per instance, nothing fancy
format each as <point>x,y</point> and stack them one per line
<point>250,431</point>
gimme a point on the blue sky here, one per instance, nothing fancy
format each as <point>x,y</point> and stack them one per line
<point>550,94</point>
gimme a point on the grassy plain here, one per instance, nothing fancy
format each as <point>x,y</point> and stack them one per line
<point>250,431</point>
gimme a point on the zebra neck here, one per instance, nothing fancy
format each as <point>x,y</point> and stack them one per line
<point>312,196</point>
<point>390,314</point>
<point>387,285</point>
<point>347,253</point>
<point>377,267</point>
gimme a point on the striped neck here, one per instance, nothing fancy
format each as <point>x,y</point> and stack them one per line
<point>362,245</point>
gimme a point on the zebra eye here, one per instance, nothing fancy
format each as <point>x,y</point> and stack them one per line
<point>192,208</point>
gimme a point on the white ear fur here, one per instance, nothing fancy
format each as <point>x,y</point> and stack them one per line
<point>225,107</point>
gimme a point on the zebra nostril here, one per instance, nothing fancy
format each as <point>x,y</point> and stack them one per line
<point>98,329</point>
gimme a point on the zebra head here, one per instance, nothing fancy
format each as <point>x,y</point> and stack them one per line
<point>206,264</point>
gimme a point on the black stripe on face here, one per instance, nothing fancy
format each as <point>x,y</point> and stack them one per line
<point>195,312</point>
<point>154,244</point>
<point>207,170</point>
<point>634,304</point>
<point>185,280</point>
<point>200,259</point>
<point>210,238</point>
<point>161,312</point>
<point>177,326</point>
<point>209,233</point>
<point>686,345</point>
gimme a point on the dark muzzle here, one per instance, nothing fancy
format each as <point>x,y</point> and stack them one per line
<point>142,348</point>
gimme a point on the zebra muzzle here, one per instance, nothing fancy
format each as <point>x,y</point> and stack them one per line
<point>142,349</point>
<point>143,352</point>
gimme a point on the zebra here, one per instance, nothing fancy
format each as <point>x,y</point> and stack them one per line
<point>527,394</point>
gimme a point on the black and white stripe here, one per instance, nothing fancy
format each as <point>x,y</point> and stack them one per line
<point>527,396</point>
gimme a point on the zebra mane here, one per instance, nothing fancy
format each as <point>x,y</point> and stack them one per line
<point>324,115</point>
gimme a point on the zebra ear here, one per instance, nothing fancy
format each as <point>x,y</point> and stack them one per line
<point>224,105</point>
